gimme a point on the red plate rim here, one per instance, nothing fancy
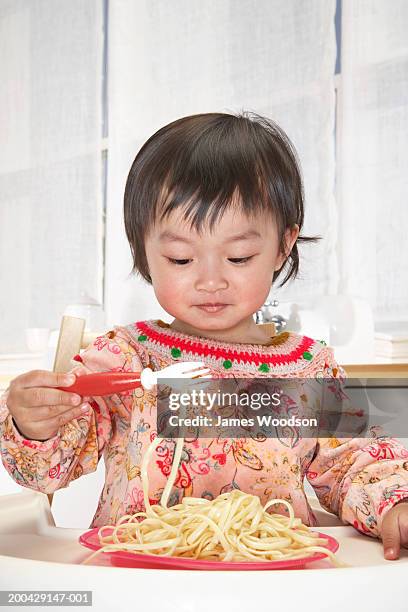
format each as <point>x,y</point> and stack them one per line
<point>90,540</point>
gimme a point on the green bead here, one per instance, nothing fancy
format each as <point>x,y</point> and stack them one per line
<point>175,352</point>
<point>227,364</point>
<point>323,342</point>
<point>264,367</point>
<point>142,338</point>
<point>307,355</point>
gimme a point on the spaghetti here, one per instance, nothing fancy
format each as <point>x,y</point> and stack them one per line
<point>232,527</point>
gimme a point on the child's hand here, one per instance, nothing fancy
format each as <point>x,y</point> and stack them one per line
<point>38,410</point>
<point>395,530</point>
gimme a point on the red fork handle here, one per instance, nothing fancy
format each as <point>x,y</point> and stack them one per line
<point>104,383</point>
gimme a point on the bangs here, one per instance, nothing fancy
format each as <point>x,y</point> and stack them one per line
<point>203,208</point>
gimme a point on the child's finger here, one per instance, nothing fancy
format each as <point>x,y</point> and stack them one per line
<point>50,413</point>
<point>391,536</point>
<point>403,523</point>
<point>66,417</point>
<point>45,396</point>
<point>44,378</point>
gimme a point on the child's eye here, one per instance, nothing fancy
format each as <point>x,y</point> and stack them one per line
<point>240,260</point>
<point>178,262</point>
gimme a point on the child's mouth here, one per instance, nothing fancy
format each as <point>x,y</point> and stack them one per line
<point>212,307</point>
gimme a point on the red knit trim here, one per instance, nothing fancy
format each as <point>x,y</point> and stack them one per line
<point>201,348</point>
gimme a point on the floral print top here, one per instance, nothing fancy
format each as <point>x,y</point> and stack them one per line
<point>357,479</point>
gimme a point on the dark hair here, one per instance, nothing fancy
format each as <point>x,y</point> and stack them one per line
<point>200,162</point>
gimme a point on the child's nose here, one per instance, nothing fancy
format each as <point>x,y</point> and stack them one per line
<point>211,277</point>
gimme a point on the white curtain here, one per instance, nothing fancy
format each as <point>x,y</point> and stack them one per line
<point>170,59</point>
<point>374,162</point>
<point>50,161</point>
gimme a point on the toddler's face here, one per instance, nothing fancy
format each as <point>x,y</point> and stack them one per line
<point>190,269</point>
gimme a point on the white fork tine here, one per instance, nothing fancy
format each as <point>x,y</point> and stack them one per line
<point>183,369</point>
<point>198,373</point>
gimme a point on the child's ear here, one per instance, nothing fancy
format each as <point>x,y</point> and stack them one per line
<point>291,235</point>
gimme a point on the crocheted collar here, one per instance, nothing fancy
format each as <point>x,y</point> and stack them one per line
<point>284,349</point>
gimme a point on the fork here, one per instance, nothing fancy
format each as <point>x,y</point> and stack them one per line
<point>107,383</point>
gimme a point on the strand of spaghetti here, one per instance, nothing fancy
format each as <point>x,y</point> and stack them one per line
<point>143,472</point>
<point>271,502</point>
<point>173,474</point>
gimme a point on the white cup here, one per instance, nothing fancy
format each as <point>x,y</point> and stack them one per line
<point>37,339</point>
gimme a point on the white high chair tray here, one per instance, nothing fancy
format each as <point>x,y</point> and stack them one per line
<point>37,555</point>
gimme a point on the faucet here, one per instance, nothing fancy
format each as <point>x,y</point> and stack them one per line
<point>265,315</point>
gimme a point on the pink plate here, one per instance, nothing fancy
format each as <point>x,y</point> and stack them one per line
<point>126,559</point>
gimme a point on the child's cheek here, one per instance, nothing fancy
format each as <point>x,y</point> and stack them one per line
<point>170,290</point>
